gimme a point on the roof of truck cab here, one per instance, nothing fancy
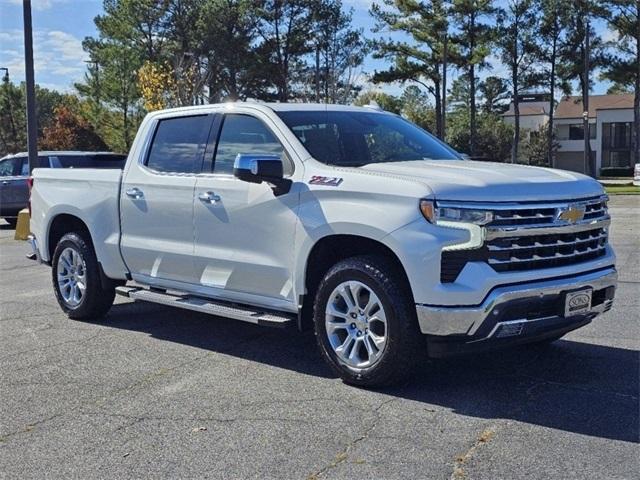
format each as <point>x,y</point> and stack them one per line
<point>285,107</point>
<point>276,107</point>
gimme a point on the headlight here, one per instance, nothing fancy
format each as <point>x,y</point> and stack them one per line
<point>461,218</point>
<point>437,215</point>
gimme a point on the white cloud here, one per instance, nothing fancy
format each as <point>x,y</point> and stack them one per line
<point>68,46</point>
<point>609,35</point>
<point>38,4</point>
<point>57,56</point>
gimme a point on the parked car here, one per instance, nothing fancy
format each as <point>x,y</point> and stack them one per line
<point>351,221</point>
<point>636,175</point>
<point>14,172</point>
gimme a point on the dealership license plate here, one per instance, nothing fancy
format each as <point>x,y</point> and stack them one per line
<point>578,302</point>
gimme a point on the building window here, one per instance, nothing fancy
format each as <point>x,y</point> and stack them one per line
<point>616,145</point>
<point>576,131</point>
<point>616,135</point>
<point>616,159</point>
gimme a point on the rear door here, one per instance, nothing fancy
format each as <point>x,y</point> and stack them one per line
<point>157,201</point>
<point>244,238</point>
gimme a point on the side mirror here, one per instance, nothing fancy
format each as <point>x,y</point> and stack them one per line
<point>258,168</point>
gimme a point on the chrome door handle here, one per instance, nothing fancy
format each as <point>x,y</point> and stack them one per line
<point>209,197</point>
<point>134,193</point>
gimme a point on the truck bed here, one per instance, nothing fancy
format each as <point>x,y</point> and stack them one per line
<point>93,196</point>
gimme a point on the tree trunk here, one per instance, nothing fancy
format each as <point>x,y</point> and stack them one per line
<point>438,105</point>
<point>317,75</point>
<point>472,110</point>
<point>443,122</point>
<point>516,101</point>
<point>585,104</point>
<point>636,97</point>
<point>472,86</point>
<point>516,124</point>
<point>125,124</point>
<point>552,104</point>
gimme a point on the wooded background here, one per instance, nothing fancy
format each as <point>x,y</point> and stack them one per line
<point>153,54</point>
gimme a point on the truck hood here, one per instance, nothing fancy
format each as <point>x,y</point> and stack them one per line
<point>466,180</point>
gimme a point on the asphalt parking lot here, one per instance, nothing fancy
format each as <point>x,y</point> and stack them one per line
<point>155,392</point>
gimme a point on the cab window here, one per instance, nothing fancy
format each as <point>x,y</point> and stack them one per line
<point>247,135</point>
<point>178,144</point>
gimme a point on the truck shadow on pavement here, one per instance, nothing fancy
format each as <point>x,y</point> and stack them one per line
<point>572,386</point>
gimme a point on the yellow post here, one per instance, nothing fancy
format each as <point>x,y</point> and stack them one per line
<point>22,228</point>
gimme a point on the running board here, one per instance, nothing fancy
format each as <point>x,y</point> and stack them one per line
<point>212,307</point>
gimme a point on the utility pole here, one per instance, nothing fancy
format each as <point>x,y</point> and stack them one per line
<point>32,127</point>
<point>585,113</point>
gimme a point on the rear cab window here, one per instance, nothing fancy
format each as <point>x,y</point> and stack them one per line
<point>178,144</point>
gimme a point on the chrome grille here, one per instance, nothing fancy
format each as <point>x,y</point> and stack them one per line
<point>535,236</point>
<point>545,213</point>
<point>529,216</point>
<point>545,251</point>
<point>596,209</point>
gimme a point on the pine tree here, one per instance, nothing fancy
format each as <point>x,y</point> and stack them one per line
<point>474,37</point>
<point>516,37</point>
<point>581,52</point>
<point>423,60</point>
<point>283,27</point>
<point>550,34</point>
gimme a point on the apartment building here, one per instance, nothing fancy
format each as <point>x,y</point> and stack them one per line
<point>610,125</point>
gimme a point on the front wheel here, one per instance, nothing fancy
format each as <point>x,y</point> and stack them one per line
<point>365,322</point>
<point>76,279</point>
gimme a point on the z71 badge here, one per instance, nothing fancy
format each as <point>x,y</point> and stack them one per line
<point>326,181</point>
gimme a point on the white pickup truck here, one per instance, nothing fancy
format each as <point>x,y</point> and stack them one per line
<point>351,221</point>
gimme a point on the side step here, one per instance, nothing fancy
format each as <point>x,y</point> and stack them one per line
<point>212,307</point>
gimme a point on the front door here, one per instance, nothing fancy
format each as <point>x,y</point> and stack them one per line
<point>157,202</point>
<point>244,233</point>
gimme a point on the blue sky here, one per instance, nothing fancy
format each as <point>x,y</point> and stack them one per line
<point>61,25</point>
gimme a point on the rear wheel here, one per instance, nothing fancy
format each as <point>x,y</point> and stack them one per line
<point>76,279</point>
<point>365,322</point>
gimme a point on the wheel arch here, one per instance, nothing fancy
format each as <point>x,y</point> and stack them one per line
<point>62,224</point>
<point>331,249</point>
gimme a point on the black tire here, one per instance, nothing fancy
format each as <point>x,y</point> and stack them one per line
<point>12,221</point>
<point>405,346</point>
<point>97,298</point>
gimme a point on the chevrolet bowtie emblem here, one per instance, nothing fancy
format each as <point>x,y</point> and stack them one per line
<point>572,214</point>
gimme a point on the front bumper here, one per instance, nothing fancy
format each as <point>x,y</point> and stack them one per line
<point>512,310</point>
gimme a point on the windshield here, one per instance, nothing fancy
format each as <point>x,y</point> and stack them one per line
<point>359,138</point>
